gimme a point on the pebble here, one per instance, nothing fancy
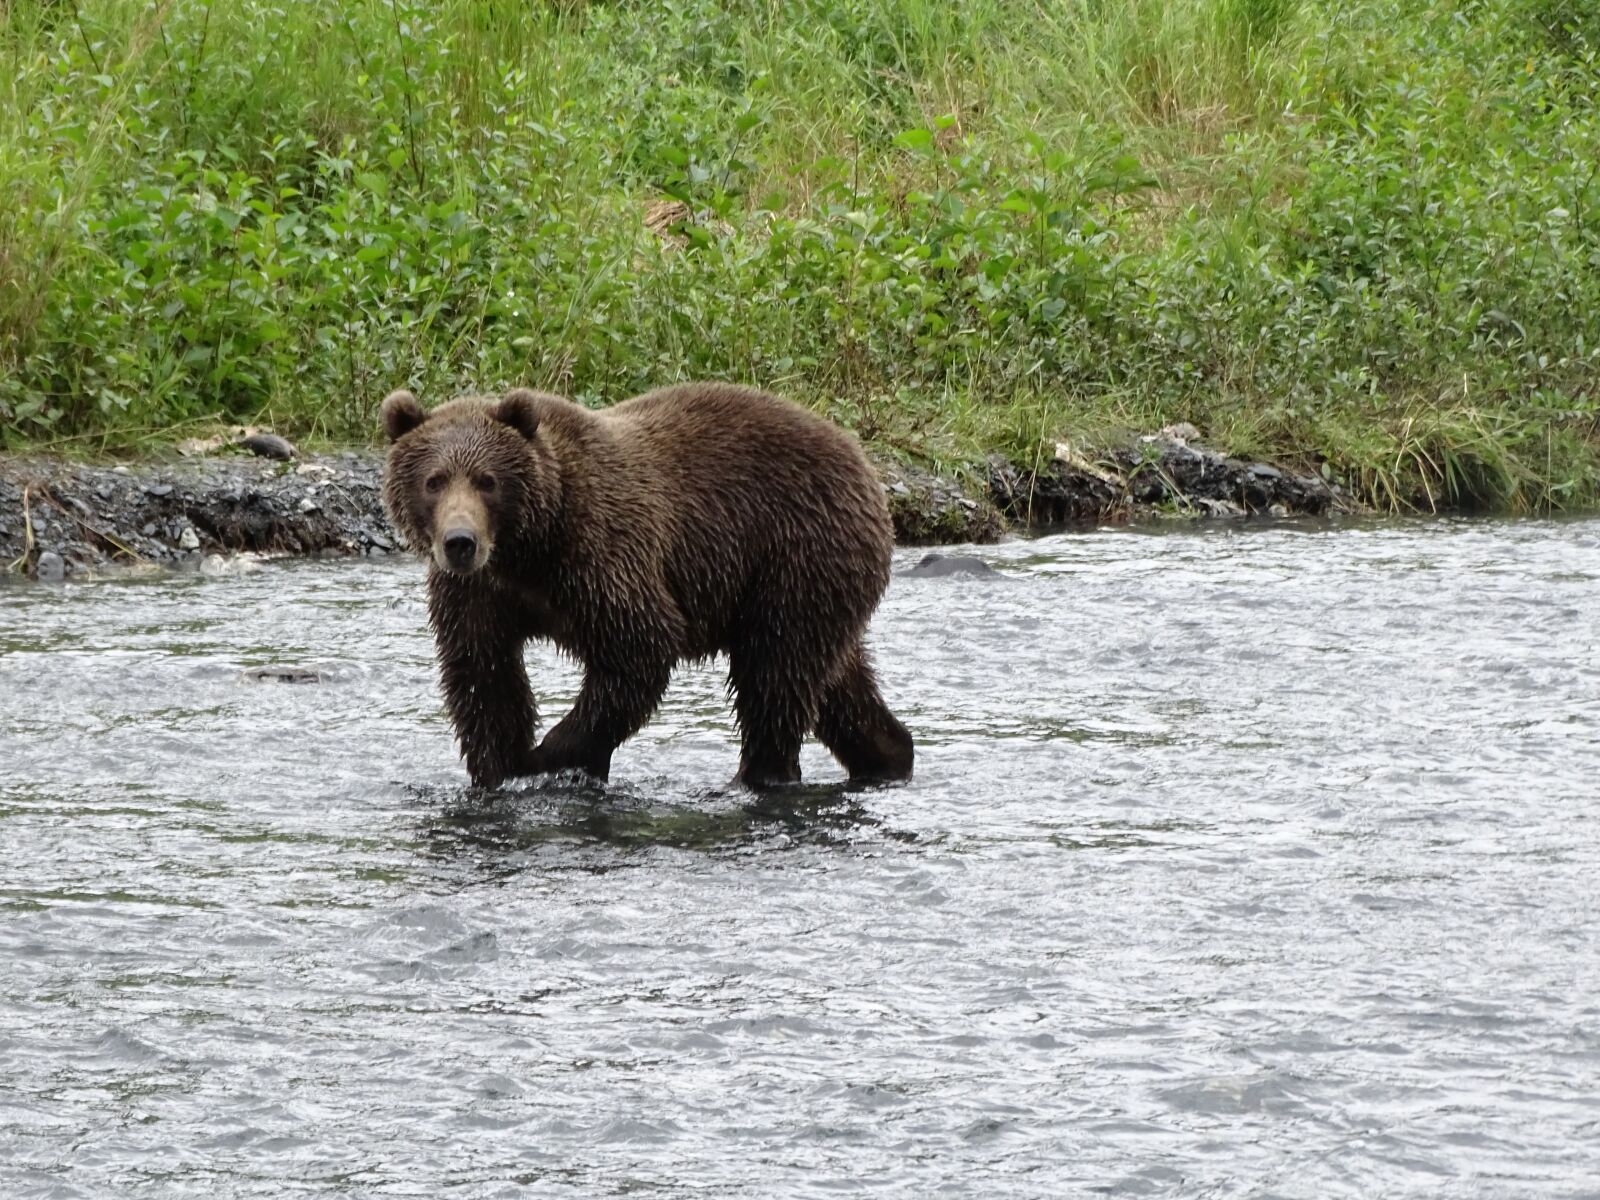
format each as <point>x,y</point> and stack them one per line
<point>149,529</point>
<point>159,489</point>
<point>308,505</point>
<point>51,567</point>
<point>189,539</point>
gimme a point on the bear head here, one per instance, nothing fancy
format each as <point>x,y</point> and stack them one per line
<point>467,476</point>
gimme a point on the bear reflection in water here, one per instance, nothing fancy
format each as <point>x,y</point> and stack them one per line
<point>692,521</point>
<point>499,829</point>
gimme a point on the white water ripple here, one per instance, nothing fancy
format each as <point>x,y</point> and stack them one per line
<point>1240,862</point>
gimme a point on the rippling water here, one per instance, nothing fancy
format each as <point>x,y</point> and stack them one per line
<point>1258,862</point>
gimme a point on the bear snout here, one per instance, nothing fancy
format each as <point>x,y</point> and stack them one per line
<point>462,530</point>
<point>460,549</point>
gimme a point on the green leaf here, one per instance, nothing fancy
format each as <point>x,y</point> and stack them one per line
<point>918,141</point>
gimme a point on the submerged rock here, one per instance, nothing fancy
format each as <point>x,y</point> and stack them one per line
<point>283,675</point>
<point>938,566</point>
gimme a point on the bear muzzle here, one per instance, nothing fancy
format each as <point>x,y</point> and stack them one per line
<point>461,541</point>
<point>460,549</point>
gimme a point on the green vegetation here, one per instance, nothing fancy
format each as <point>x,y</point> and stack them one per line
<point>1363,233</point>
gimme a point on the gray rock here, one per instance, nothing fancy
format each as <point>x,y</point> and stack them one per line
<point>51,567</point>
<point>268,445</point>
<point>149,529</point>
<point>937,566</point>
<point>189,539</point>
<point>159,489</point>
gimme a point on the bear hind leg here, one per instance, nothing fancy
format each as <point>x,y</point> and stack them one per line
<point>856,725</point>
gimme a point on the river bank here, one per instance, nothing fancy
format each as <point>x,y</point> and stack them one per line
<point>60,518</point>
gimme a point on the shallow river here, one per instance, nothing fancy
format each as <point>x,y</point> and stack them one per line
<point>1251,862</point>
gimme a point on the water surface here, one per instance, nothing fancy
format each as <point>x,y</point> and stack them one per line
<point>1247,862</point>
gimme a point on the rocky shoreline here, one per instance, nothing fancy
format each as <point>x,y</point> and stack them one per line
<point>63,519</point>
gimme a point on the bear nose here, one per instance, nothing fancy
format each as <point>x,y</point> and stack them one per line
<point>460,547</point>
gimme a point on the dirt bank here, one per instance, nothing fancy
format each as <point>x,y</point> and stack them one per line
<point>62,518</point>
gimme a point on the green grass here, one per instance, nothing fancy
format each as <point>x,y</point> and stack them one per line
<point>1361,233</point>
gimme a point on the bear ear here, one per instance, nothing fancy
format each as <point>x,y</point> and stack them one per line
<point>518,408</point>
<point>401,414</point>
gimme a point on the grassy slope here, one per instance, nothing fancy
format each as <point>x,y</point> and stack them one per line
<point>1362,232</point>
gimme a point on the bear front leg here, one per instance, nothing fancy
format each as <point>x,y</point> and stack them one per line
<point>610,708</point>
<point>482,676</point>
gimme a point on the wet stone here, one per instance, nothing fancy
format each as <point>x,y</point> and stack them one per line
<point>159,490</point>
<point>51,567</point>
<point>933,566</point>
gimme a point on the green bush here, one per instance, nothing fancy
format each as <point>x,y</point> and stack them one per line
<point>1361,235</point>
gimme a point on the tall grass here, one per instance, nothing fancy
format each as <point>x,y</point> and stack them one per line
<point>1359,233</point>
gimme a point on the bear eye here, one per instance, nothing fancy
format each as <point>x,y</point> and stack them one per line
<point>435,482</point>
<point>485,483</point>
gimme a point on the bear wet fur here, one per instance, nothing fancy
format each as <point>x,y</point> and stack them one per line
<point>691,521</point>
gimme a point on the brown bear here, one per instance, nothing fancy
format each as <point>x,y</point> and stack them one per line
<point>692,521</point>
